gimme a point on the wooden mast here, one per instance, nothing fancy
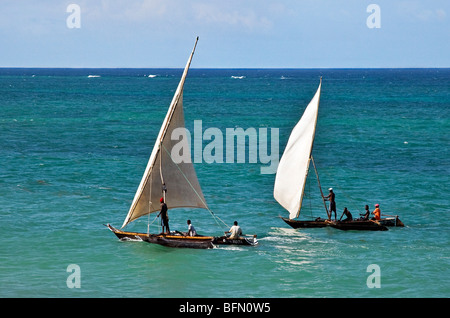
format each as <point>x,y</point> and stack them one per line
<point>320,188</point>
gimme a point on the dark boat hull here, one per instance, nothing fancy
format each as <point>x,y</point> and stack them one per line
<point>394,222</point>
<point>357,225</point>
<point>305,224</point>
<point>224,240</point>
<point>179,240</point>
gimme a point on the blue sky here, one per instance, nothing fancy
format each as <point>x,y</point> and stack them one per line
<point>233,34</point>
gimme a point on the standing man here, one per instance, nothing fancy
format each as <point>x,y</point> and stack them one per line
<point>164,216</point>
<point>330,198</point>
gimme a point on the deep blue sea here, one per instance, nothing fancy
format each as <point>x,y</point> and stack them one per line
<point>74,144</point>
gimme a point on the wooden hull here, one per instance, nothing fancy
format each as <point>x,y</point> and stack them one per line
<point>127,236</point>
<point>305,224</point>
<point>357,225</point>
<point>175,240</point>
<point>179,240</point>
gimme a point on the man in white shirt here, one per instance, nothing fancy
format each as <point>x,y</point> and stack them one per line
<point>191,229</point>
<point>235,231</point>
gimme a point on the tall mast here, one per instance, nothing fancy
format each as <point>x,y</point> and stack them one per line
<point>182,179</point>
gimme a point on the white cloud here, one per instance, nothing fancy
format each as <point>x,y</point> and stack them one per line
<point>251,33</point>
<point>421,11</point>
<point>441,15</point>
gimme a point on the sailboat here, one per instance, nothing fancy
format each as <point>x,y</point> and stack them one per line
<point>292,173</point>
<point>176,183</point>
<point>293,167</point>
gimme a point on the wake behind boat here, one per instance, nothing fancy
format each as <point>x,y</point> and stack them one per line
<point>162,176</point>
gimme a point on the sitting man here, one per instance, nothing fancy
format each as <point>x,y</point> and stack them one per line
<point>365,216</point>
<point>235,231</point>
<point>347,214</point>
<point>191,229</point>
<point>376,212</point>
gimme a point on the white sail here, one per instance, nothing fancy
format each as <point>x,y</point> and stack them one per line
<point>183,188</point>
<point>294,163</point>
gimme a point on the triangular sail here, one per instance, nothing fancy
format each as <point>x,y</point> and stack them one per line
<point>294,164</point>
<point>183,188</point>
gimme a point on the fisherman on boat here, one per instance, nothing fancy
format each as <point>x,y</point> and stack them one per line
<point>331,198</point>
<point>191,229</point>
<point>365,217</point>
<point>235,231</point>
<point>164,217</point>
<point>347,214</point>
<point>376,212</point>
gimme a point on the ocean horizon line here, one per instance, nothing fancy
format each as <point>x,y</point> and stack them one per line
<point>218,68</point>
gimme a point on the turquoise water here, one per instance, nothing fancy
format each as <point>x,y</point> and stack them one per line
<point>74,148</point>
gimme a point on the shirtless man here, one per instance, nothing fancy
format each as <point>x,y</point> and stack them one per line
<point>330,198</point>
<point>347,214</point>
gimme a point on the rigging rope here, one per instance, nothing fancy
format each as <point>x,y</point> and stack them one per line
<point>352,202</point>
<point>309,197</point>
<point>150,204</point>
